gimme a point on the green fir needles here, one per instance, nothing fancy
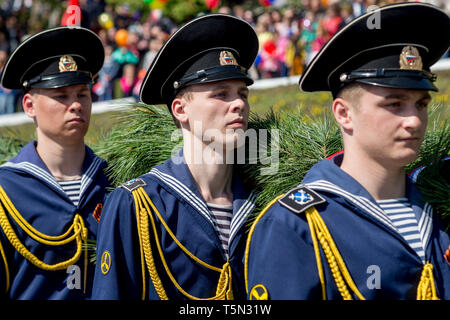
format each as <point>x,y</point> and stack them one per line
<point>293,142</point>
<point>433,180</point>
<point>302,141</point>
<point>143,137</point>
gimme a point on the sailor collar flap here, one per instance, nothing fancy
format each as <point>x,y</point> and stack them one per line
<point>177,178</point>
<point>28,161</point>
<point>326,177</point>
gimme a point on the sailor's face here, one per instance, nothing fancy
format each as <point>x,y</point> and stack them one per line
<point>61,114</point>
<point>218,110</point>
<point>390,124</point>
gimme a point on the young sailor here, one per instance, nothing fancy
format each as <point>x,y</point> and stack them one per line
<point>177,232</point>
<point>357,227</point>
<point>52,192</point>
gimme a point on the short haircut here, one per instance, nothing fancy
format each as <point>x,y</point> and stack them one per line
<point>185,93</point>
<point>352,92</point>
<point>31,90</point>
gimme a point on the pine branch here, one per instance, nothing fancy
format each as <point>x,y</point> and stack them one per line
<point>146,136</point>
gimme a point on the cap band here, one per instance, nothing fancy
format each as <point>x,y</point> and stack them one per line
<point>206,73</point>
<point>59,79</point>
<point>386,73</point>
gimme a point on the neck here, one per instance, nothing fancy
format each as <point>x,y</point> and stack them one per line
<point>212,175</point>
<point>65,162</point>
<point>380,181</point>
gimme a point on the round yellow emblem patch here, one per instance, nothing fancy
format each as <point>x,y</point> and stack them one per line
<point>106,262</point>
<point>259,292</point>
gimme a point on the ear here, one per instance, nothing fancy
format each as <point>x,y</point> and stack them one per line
<point>343,113</point>
<point>179,111</point>
<point>28,105</point>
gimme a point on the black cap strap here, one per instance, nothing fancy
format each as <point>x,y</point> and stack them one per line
<point>385,73</point>
<point>205,73</point>
<point>59,79</point>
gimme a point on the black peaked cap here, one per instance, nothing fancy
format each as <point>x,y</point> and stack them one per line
<point>193,54</point>
<point>394,51</point>
<point>55,58</point>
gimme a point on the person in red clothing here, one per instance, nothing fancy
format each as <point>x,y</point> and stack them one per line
<point>332,20</point>
<point>128,79</point>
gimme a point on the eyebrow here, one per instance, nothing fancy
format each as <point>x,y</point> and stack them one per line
<point>406,97</point>
<point>64,90</point>
<point>226,86</point>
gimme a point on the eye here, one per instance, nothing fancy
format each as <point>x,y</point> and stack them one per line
<point>220,94</point>
<point>244,96</point>
<point>394,104</point>
<point>422,104</point>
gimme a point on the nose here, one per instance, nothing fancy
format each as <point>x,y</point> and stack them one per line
<point>75,104</point>
<point>238,105</point>
<point>415,118</point>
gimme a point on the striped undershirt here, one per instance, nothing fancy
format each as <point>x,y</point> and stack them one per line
<point>72,188</point>
<point>222,218</point>
<point>403,218</point>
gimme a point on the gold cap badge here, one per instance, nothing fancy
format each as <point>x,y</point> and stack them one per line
<point>410,59</point>
<point>67,63</point>
<point>227,58</point>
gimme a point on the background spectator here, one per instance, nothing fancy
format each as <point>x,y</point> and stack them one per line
<point>128,79</point>
<point>104,88</point>
<point>7,96</point>
<point>289,36</point>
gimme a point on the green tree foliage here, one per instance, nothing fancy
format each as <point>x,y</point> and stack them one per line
<point>179,10</point>
<point>10,146</point>
<point>183,10</point>
<point>133,4</point>
<point>146,136</point>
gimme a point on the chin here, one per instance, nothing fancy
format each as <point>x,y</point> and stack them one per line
<point>407,157</point>
<point>75,135</point>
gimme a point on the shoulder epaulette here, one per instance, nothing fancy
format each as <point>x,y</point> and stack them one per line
<point>133,184</point>
<point>300,198</point>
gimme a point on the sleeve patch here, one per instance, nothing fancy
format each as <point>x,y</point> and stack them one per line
<point>301,198</point>
<point>133,184</point>
<point>259,292</point>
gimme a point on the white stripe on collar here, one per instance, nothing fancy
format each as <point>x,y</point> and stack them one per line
<point>368,206</point>
<point>240,217</point>
<point>425,224</point>
<point>88,176</point>
<point>185,192</point>
<point>42,174</point>
<point>35,171</point>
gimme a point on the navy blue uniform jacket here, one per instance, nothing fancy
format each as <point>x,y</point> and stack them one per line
<point>43,204</point>
<point>281,255</point>
<point>174,193</point>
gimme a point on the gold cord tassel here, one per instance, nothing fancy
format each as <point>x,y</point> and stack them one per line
<point>427,289</point>
<point>320,234</point>
<point>340,273</point>
<point>5,262</point>
<point>78,230</point>
<point>144,207</point>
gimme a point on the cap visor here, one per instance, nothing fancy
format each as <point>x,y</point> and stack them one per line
<point>401,83</point>
<point>223,76</point>
<point>64,80</point>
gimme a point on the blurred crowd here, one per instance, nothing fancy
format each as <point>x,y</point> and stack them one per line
<point>289,37</point>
